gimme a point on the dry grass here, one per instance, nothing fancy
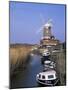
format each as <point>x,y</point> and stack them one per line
<point>18,56</point>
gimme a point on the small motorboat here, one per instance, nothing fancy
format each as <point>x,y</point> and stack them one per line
<point>49,64</point>
<point>47,78</point>
<point>43,59</point>
<point>45,53</point>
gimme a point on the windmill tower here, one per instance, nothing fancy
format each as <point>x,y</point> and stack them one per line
<point>47,30</point>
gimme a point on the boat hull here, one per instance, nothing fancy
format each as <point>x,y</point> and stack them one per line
<point>48,82</point>
<point>44,58</point>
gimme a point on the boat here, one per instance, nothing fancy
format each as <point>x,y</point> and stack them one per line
<point>45,53</point>
<point>47,78</point>
<point>48,64</point>
<point>44,59</point>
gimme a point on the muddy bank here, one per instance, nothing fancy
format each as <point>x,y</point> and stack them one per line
<point>19,56</point>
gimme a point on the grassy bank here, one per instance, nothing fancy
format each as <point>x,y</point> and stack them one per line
<point>19,55</point>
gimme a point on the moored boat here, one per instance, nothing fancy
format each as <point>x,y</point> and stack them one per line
<point>48,64</point>
<point>47,78</point>
<point>45,53</point>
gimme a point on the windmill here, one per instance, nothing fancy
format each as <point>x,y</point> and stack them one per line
<point>46,27</point>
<point>48,39</point>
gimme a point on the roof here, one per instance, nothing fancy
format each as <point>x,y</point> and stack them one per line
<point>49,72</point>
<point>47,61</point>
<point>47,25</point>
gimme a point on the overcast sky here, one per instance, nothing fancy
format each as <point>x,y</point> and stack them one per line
<point>26,19</point>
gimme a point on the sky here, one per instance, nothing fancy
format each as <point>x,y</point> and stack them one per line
<point>26,20</point>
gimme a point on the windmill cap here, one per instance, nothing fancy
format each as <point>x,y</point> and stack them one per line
<point>47,25</point>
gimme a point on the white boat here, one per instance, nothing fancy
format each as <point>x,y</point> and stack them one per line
<point>45,53</point>
<point>47,78</point>
<point>49,64</point>
<point>55,51</point>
